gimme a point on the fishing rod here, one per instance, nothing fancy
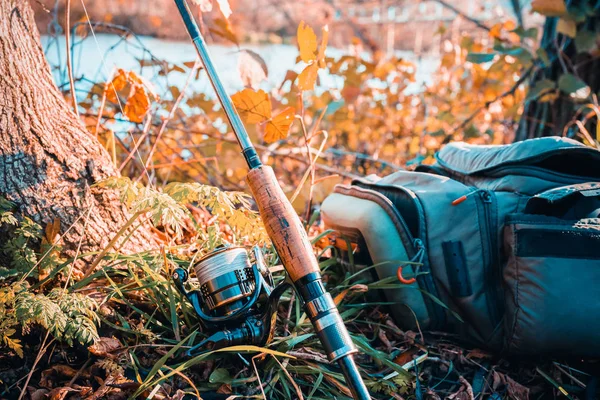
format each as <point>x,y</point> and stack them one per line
<point>229,284</point>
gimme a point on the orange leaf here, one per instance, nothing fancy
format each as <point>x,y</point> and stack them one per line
<point>116,85</point>
<point>307,42</point>
<point>223,28</point>
<point>254,107</point>
<point>278,127</point>
<point>138,104</point>
<point>308,77</point>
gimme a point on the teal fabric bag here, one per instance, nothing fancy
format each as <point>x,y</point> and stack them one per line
<point>451,218</point>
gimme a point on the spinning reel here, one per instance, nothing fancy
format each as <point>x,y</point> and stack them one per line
<point>237,301</point>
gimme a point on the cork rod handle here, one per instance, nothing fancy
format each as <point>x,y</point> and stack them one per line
<point>282,223</point>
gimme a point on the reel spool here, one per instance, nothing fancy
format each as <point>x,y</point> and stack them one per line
<point>226,280</point>
<point>235,297</point>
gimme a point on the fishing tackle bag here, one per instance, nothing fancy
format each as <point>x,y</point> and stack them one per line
<point>499,244</point>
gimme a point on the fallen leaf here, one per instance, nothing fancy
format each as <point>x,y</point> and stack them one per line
<point>307,42</point>
<point>254,107</point>
<point>104,347</point>
<point>515,389</point>
<point>63,371</point>
<point>60,393</point>
<point>278,127</point>
<point>39,394</point>
<point>406,356</point>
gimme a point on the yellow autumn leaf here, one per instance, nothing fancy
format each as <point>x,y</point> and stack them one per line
<point>279,126</point>
<point>254,107</point>
<point>549,8</point>
<point>307,42</point>
<point>308,77</point>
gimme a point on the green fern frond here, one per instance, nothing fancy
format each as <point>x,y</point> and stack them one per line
<point>163,209</point>
<point>30,309</point>
<point>130,191</point>
<point>231,207</point>
<point>6,215</point>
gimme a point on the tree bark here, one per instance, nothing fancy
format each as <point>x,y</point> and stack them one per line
<point>48,161</point>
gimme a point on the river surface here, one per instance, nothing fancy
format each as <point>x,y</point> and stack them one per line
<point>96,59</point>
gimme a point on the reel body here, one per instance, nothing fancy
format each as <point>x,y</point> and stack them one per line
<point>236,301</point>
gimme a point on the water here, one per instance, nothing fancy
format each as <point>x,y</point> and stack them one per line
<point>96,62</point>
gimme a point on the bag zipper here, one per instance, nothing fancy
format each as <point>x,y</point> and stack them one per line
<point>491,264</point>
<point>538,172</point>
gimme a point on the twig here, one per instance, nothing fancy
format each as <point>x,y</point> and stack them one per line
<point>260,384</point>
<point>463,15</point>
<point>171,114</point>
<point>294,384</point>
<point>43,349</point>
<point>137,143</point>
<point>289,312</point>
<point>79,372</point>
<point>305,356</point>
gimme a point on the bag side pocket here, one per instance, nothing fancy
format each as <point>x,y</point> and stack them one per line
<point>552,285</point>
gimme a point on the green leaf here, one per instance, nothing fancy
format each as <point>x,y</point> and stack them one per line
<point>480,58</point>
<point>540,88</point>
<point>543,55</point>
<point>572,85</point>
<point>585,41</point>
<point>523,33</point>
<point>219,375</point>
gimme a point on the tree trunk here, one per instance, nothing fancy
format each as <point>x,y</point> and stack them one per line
<point>48,161</point>
<point>550,118</point>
